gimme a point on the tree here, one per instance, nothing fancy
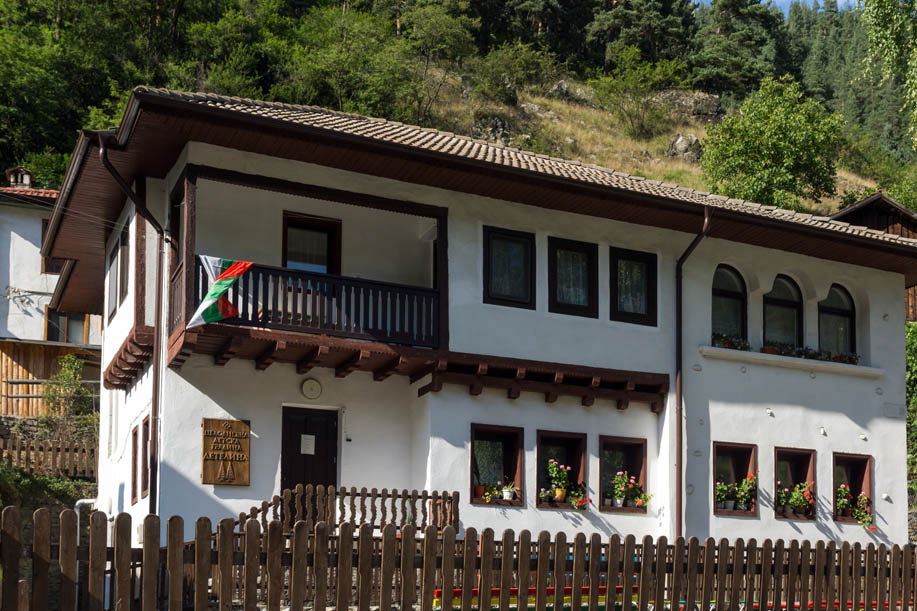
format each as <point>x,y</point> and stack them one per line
<point>69,405</point>
<point>779,146</point>
<point>661,29</point>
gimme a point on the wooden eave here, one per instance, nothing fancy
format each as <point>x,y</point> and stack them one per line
<point>155,130</point>
<point>432,368</point>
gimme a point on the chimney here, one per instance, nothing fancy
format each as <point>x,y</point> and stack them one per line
<point>19,177</point>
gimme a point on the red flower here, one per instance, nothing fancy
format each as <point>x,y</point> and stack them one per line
<point>872,528</point>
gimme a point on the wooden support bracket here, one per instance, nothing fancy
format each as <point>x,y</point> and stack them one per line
<point>350,365</point>
<point>385,371</point>
<point>269,355</point>
<point>227,351</point>
<point>307,362</point>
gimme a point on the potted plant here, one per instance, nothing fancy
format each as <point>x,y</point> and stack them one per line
<point>843,500</point>
<point>745,492</point>
<point>491,492</point>
<point>770,349</point>
<point>643,499</point>
<point>849,359</point>
<point>862,511</point>
<point>559,476</point>
<point>730,497</point>
<point>479,491</point>
<point>632,491</point>
<point>578,498</point>
<point>606,499</point>
<point>721,340</point>
<point>508,489</point>
<point>721,494</point>
<point>802,499</point>
<point>619,488</point>
<point>783,500</point>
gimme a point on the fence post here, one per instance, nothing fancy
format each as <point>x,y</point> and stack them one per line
<point>252,564</point>
<point>320,565</point>
<point>98,548</point>
<point>345,565</point>
<point>175,563</point>
<point>388,567</point>
<point>448,567</point>
<point>428,580</point>
<point>298,570</point>
<point>122,564</point>
<point>41,558</point>
<point>202,563</point>
<point>408,574</point>
<point>149,572</point>
<point>525,561</point>
<point>10,551</point>
<point>67,559</point>
<point>468,567</point>
<point>274,572</point>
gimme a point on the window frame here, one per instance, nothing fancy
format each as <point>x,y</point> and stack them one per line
<point>637,442</point>
<point>145,457</point>
<point>866,481</point>
<point>581,476</point>
<point>529,241</point>
<point>113,290</point>
<point>591,250</point>
<point>519,475</point>
<point>135,437</point>
<point>332,227</point>
<point>752,469</point>
<point>66,330</point>
<point>727,294</point>
<point>50,265</point>
<point>785,303</point>
<point>851,314</point>
<point>811,475</point>
<point>649,259</point>
<point>124,259</point>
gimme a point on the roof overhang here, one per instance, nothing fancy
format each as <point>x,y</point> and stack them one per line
<point>879,198</point>
<point>156,128</point>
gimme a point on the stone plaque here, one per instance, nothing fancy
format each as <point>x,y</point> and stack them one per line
<point>226,452</point>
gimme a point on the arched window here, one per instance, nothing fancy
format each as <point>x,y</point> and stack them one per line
<point>729,303</point>
<point>783,313</point>
<point>837,322</point>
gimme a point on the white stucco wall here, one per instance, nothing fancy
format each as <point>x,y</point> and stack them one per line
<point>730,402</point>
<point>117,328</point>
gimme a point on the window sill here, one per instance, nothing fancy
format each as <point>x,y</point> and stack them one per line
<point>735,513</point>
<point>497,502</point>
<point>794,518</point>
<point>553,505</point>
<point>790,362</point>
<point>846,519</point>
<point>613,509</point>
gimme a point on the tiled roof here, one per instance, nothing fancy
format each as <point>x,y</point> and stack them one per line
<point>42,193</point>
<point>457,146</point>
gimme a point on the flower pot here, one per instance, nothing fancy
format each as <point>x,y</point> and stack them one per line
<point>741,507</point>
<point>847,512</point>
<point>606,502</point>
<point>508,495</point>
<point>619,502</point>
<point>788,511</point>
<point>630,503</point>
<point>560,495</point>
<point>720,505</point>
<point>839,359</point>
<point>730,505</point>
<point>770,350</point>
<point>478,491</point>
<point>799,511</point>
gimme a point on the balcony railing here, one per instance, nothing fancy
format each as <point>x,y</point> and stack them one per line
<point>292,300</point>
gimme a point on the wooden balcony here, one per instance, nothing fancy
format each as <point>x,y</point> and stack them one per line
<point>290,300</point>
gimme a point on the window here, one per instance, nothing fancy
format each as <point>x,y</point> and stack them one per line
<point>497,455</point>
<point>509,268</point>
<point>69,328</point>
<point>733,462</point>
<point>793,466</point>
<point>49,265</point>
<point>837,322</point>
<point>783,313</point>
<point>633,286</point>
<point>854,470</point>
<point>134,444</point>
<point>311,243</point>
<point>569,449</point>
<point>112,283</point>
<point>620,454</point>
<point>124,260</point>
<point>145,458</point>
<point>573,277</point>
<point>729,303</point>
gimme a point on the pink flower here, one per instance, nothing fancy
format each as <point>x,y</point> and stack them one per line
<point>620,473</point>
<point>568,468</point>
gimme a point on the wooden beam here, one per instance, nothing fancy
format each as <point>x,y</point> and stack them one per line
<point>476,388</point>
<point>307,362</point>
<point>623,403</point>
<point>558,377</point>
<point>438,366</point>
<point>595,382</point>
<point>385,371</point>
<point>435,385</point>
<point>227,351</point>
<point>182,349</point>
<point>269,355</point>
<point>520,373</point>
<point>482,369</point>
<point>587,400</point>
<point>350,365</point>
<point>550,396</point>
<point>514,391</point>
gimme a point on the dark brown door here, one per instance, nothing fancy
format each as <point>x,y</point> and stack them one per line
<point>309,447</point>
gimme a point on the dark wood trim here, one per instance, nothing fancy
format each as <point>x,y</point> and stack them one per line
<point>49,265</point>
<point>145,458</point>
<point>811,476</point>
<point>786,303</point>
<point>111,311</point>
<point>130,359</point>
<point>124,262</point>
<point>329,226</point>
<point>580,477</point>
<point>865,486</point>
<point>751,470</point>
<point>288,187</point>
<point>741,297</point>
<point>649,260</point>
<point>135,440</point>
<point>641,476</point>
<point>591,309</point>
<point>519,472</point>
<point>528,240</point>
<point>188,243</point>
<point>850,314</point>
<point>140,225</point>
<point>442,276</point>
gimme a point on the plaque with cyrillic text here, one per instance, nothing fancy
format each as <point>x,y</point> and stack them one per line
<point>226,452</point>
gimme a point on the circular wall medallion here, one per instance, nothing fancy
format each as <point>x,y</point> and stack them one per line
<point>311,388</point>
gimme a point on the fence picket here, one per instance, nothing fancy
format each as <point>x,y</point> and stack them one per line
<point>10,551</point>
<point>691,573</point>
<point>175,561</point>
<point>98,525</point>
<point>751,572</point>
<point>506,568</point>
<point>122,564</point>
<point>252,561</point>
<point>845,582</point>
<point>23,594</point>
<point>595,559</point>
<point>275,548</point>
<point>613,571</point>
<point>707,591</point>
<point>882,577</point>
<point>678,571</point>
<point>448,567</point>
<point>202,568</point>
<point>659,577</point>
<point>778,570</point>
<point>738,571</point>
<point>722,565</point>
<point>579,569</point>
<point>894,581</point>
<point>792,574</point>
<point>468,567</point>
<point>487,569</point>
<point>819,588</point>
<point>41,558</point>
<point>149,574</point>
<point>67,558</point>
<point>320,564</point>
<point>386,580</point>
<point>560,568</point>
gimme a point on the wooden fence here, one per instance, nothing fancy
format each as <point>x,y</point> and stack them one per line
<point>49,457</point>
<point>374,507</point>
<point>314,568</point>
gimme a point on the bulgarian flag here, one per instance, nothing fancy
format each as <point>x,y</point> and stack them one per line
<point>221,274</point>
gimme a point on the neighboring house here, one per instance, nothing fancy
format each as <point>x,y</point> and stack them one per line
<point>881,212</point>
<point>33,336</point>
<point>432,312</point>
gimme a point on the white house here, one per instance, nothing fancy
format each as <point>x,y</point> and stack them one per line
<point>433,312</point>
<point>33,335</point>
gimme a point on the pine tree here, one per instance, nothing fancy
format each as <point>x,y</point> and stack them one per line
<point>661,29</point>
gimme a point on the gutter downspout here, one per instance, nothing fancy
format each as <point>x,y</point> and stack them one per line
<point>144,212</point>
<point>679,385</point>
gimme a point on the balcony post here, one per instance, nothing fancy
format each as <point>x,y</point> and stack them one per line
<point>442,266</point>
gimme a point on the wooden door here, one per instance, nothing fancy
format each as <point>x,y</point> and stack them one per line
<point>309,447</point>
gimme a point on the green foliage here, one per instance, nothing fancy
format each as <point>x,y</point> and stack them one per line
<point>47,168</point>
<point>69,404</point>
<point>628,91</point>
<point>24,489</point>
<point>510,67</point>
<point>910,384</point>
<point>779,147</point>
<point>660,29</point>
